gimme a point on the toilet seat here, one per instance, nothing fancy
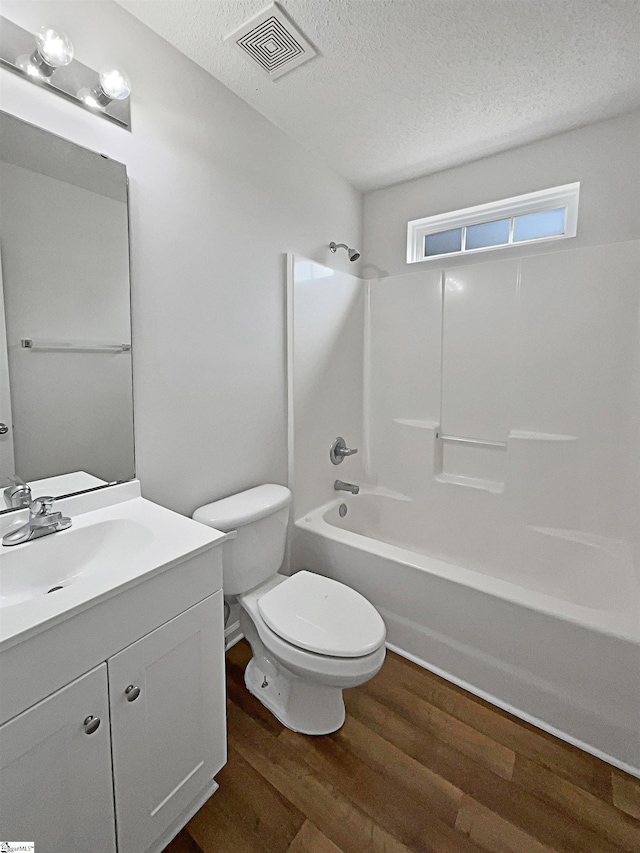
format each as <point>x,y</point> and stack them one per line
<point>340,672</point>
<point>322,616</point>
<point>303,689</point>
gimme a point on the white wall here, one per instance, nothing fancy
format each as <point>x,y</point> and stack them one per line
<point>602,156</point>
<point>218,195</point>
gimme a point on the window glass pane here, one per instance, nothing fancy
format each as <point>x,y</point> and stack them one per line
<point>535,225</point>
<point>443,242</point>
<point>488,234</point>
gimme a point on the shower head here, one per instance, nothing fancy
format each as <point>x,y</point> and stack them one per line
<point>354,254</point>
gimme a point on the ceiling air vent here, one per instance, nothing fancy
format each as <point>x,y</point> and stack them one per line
<point>272,40</point>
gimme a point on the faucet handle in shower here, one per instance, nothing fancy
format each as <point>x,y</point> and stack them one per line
<point>339,450</point>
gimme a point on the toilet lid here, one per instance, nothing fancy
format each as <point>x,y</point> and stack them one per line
<point>323,616</point>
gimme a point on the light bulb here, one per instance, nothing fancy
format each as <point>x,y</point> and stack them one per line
<point>29,65</point>
<point>114,83</point>
<point>87,97</point>
<point>54,47</point>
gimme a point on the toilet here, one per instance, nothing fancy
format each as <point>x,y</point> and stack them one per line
<point>310,636</point>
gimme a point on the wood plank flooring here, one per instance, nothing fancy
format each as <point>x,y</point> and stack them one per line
<point>420,765</point>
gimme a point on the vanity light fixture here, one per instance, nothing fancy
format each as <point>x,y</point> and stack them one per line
<point>52,66</point>
<point>54,50</point>
<point>113,85</point>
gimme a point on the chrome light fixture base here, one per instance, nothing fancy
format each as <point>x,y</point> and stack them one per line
<point>69,81</point>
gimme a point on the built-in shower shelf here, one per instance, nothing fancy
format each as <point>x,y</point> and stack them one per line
<point>479,442</point>
<point>383,491</point>
<point>618,547</point>
<point>417,423</point>
<point>470,461</point>
<point>496,487</point>
<point>526,435</point>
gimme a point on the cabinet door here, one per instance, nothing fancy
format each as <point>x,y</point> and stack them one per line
<point>169,729</point>
<point>55,778</point>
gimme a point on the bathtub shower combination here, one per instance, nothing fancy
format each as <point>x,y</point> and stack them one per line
<point>496,408</point>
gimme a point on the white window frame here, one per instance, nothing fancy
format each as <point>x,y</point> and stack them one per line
<point>538,202</point>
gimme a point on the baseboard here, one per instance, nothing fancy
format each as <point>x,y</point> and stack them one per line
<point>232,635</point>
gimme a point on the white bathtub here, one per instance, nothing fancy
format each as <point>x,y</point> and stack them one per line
<point>554,638</point>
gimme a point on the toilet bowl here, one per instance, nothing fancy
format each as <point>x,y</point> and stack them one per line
<point>300,686</point>
<point>310,636</point>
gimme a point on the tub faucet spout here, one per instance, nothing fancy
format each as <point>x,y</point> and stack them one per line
<point>339,486</point>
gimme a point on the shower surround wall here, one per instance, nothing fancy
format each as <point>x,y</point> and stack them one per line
<point>508,563</point>
<point>326,311</point>
<point>532,362</point>
<point>535,360</point>
<point>556,383</point>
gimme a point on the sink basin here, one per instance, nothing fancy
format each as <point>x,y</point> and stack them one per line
<point>117,540</point>
<point>51,563</point>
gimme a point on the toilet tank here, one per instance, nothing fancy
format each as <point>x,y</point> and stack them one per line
<point>260,516</point>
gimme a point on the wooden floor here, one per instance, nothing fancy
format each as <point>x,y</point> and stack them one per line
<point>419,765</point>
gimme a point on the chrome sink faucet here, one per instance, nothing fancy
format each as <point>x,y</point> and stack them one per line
<point>42,521</point>
<point>339,486</point>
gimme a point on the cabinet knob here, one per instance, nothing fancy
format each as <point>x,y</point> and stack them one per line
<point>132,692</point>
<point>91,725</point>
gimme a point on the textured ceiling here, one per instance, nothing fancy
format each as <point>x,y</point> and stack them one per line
<point>406,87</point>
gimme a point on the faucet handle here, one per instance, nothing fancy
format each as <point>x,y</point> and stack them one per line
<point>339,450</point>
<point>42,505</point>
<point>16,479</point>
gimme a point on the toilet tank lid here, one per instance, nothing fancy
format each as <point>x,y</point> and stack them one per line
<point>244,508</point>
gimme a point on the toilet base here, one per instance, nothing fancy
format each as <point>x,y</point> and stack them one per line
<point>302,706</point>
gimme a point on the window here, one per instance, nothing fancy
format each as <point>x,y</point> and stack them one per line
<point>545,215</point>
<point>443,243</point>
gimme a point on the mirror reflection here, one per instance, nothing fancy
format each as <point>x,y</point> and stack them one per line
<point>66,405</point>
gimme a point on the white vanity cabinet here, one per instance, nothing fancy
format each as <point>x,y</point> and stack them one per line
<point>148,724</point>
<point>168,722</point>
<point>55,771</point>
<point>132,636</point>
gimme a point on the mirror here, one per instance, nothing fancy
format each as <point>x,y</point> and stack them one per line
<point>66,402</point>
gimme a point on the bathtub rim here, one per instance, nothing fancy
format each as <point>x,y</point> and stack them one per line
<point>412,651</point>
<point>627,621</point>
